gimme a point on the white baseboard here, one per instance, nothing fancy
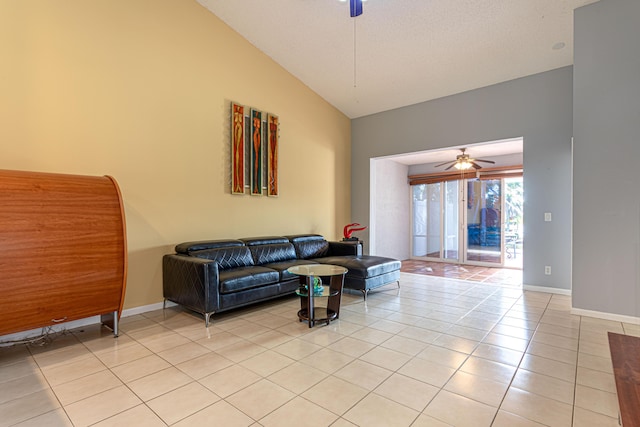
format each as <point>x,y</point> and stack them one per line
<point>25,335</point>
<point>606,316</point>
<point>547,290</point>
<point>145,308</point>
<point>10,339</point>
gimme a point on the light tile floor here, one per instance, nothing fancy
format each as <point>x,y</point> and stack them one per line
<point>435,352</point>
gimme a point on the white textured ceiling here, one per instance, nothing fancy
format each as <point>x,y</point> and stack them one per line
<point>405,51</point>
<point>489,150</point>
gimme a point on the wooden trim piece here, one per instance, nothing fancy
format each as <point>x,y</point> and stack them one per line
<point>125,250</point>
<point>497,175</point>
<point>484,173</point>
<point>625,357</point>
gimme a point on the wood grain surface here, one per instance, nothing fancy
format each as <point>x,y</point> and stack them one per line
<point>63,252</point>
<point>625,357</point>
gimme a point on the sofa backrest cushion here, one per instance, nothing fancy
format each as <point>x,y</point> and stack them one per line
<point>278,252</point>
<point>268,240</point>
<point>189,247</point>
<point>227,257</point>
<point>309,245</point>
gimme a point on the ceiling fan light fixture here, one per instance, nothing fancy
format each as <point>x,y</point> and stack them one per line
<point>463,162</point>
<point>463,165</point>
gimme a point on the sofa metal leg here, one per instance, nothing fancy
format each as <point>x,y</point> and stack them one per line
<point>207,316</point>
<point>164,304</point>
<point>398,284</point>
<point>364,293</point>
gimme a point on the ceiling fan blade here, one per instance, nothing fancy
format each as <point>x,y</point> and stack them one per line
<point>484,161</point>
<point>475,165</point>
<point>445,163</point>
<point>454,163</point>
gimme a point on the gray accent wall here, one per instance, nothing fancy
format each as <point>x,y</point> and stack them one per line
<point>606,217</point>
<point>538,108</point>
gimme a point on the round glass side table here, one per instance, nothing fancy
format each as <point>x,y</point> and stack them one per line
<point>326,273</point>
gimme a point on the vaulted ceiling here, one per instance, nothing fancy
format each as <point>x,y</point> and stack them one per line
<point>402,52</point>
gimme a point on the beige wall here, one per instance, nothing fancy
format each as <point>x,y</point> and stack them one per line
<point>140,90</point>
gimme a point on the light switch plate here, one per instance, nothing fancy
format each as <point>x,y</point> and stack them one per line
<point>547,216</point>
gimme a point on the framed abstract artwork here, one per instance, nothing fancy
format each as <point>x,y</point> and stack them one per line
<point>272,155</point>
<point>255,143</point>
<point>237,149</point>
<point>256,152</point>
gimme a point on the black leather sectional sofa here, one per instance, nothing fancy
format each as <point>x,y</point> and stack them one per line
<point>218,275</point>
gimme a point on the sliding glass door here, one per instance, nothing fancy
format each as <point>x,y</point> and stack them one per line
<point>459,221</point>
<point>451,221</point>
<point>484,219</point>
<point>436,223</point>
<point>426,220</point>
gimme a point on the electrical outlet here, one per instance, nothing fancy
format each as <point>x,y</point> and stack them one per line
<point>547,216</point>
<point>547,270</point>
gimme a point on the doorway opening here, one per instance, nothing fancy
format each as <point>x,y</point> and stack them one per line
<point>475,221</point>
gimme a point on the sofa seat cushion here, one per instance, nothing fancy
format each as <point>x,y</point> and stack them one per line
<point>243,278</point>
<point>365,266</point>
<point>281,267</point>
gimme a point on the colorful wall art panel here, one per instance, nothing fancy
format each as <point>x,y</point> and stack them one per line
<point>237,149</point>
<point>255,140</point>
<point>272,155</point>
<point>256,152</point>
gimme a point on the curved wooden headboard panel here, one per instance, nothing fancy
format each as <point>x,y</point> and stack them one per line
<point>63,252</point>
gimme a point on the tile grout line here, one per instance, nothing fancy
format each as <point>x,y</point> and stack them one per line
<point>416,297</point>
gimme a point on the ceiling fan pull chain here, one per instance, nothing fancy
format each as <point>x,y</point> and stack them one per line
<point>354,53</point>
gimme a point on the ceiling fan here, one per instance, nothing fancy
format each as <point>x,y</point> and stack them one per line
<point>464,161</point>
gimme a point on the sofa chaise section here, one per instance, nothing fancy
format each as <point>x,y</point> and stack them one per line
<point>365,272</point>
